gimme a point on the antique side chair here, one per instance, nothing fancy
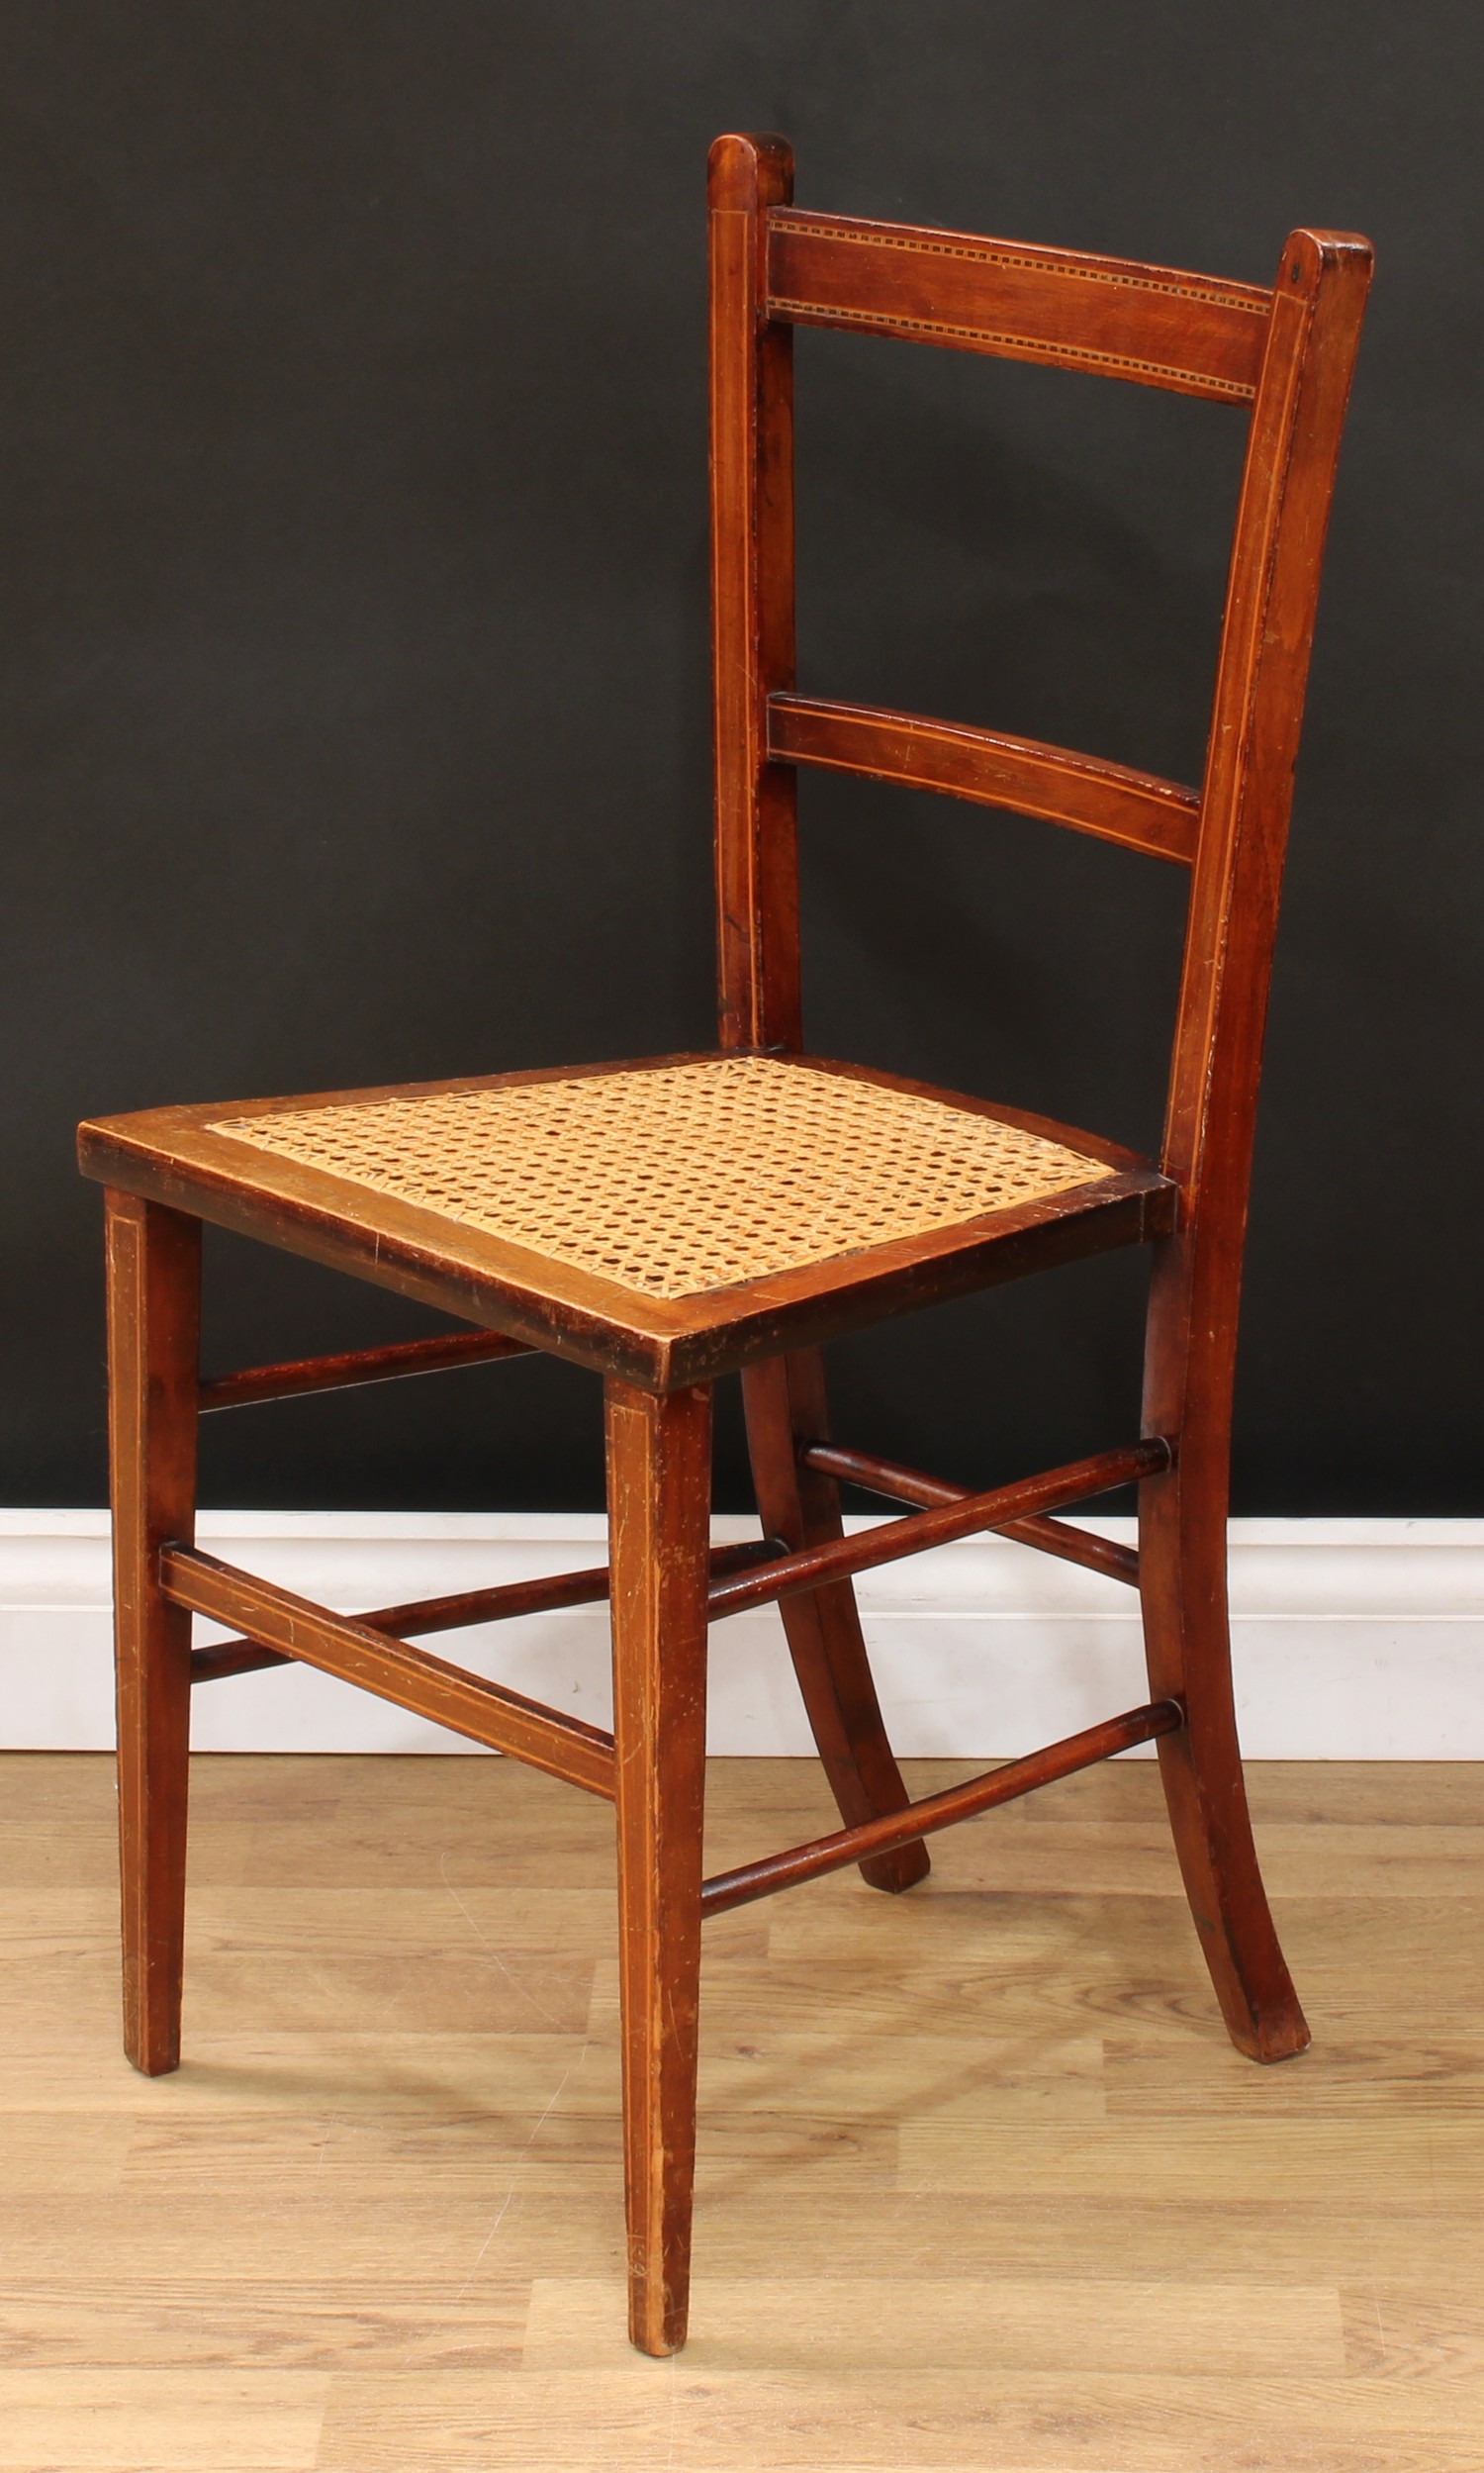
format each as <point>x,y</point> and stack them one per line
<point>670,1220</point>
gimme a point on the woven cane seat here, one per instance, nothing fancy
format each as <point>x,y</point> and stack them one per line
<point>675,1180</point>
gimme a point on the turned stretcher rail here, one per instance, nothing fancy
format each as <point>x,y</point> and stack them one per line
<point>1079,1482</point>
<point>471,1605</point>
<point>899,1484</point>
<point>757,1571</point>
<point>300,1374</point>
<point>940,1811</point>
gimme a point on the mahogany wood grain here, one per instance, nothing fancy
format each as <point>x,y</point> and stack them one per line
<point>1111,315</point>
<point>1079,1482</point>
<point>300,1375</point>
<point>784,1405</point>
<point>1190,1358</point>
<point>1272,593</point>
<point>659,1460</point>
<point>226,1658</point>
<point>1112,802</point>
<point>940,1811</point>
<point>153,1329</point>
<point>471,1605</point>
<point>751,602</point>
<point>506,1721</point>
<point>900,1485</point>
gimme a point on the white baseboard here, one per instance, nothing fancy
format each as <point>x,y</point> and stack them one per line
<point>1352,1638</point>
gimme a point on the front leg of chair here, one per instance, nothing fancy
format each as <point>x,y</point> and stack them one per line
<point>785,1405</point>
<point>659,1523</point>
<point>1182,1555</point>
<point>153,1300</point>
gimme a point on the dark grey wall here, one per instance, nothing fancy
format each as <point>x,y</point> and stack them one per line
<point>356,663</point>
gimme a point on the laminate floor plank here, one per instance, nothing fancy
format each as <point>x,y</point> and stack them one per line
<point>981,2184</point>
<point>1435,1860</point>
<point>1231,2329</point>
<point>84,2420</point>
<point>234,2323</point>
<point>847,2415</point>
<point>1438,2077</point>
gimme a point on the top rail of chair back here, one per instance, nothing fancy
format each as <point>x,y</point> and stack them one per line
<point>1112,315</point>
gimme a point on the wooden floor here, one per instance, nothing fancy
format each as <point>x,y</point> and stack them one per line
<point>982,2182</point>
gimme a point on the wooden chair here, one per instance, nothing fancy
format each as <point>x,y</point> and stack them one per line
<point>669,1221</point>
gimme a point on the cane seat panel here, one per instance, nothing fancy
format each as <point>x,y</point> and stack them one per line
<point>678,1180</point>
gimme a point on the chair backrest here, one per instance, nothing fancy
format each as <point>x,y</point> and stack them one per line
<point>1284,355</point>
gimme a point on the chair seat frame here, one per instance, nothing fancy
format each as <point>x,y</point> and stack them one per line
<point>1285,355</point>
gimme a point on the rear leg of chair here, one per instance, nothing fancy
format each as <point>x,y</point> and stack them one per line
<point>659,1522</point>
<point>153,1296</point>
<point>785,1403</point>
<point>1182,1548</point>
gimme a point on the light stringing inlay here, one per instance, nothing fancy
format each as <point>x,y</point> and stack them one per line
<point>680,1178</point>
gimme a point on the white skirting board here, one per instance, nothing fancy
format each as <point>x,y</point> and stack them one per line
<point>1352,1638</point>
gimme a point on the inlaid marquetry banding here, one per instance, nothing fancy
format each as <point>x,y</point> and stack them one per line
<point>678,1180</point>
<point>1022,347</point>
<point>1027,261</point>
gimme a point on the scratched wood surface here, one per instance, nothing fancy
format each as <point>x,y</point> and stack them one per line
<point>982,2182</point>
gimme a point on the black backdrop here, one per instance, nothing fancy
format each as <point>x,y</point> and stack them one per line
<point>355,661</point>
